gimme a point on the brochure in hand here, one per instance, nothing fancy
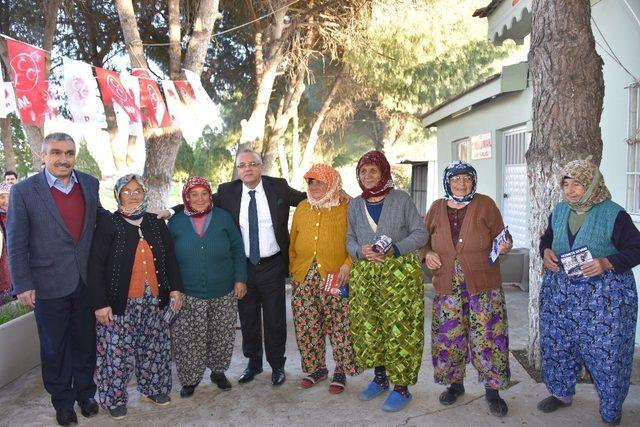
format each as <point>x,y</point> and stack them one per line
<point>333,287</point>
<point>503,237</point>
<point>573,260</point>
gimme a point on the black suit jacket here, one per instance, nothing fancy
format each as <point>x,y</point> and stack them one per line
<point>279,196</point>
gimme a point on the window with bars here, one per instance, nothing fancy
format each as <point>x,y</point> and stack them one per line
<point>633,156</point>
<point>461,150</point>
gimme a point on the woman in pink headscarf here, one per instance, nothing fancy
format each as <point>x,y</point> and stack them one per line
<point>212,261</point>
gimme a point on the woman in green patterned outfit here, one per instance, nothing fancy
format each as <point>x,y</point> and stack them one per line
<point>386,286</point>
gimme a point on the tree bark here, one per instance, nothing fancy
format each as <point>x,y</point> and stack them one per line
<point>568,89</point>
<point>7,145</point>
<point>201,35</point>
<point>175,52</point>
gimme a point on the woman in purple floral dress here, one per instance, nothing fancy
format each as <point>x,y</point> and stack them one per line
<point>469,315</point>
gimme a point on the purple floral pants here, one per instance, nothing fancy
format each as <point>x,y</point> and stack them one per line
<point>139,342</point>
<point>470,327</point>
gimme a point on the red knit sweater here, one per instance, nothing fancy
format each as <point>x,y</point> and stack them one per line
<point>71,208</point>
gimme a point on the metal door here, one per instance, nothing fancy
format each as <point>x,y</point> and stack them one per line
<point>515,185</point>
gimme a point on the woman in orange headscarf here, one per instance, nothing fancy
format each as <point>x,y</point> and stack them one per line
<point>318,250</point>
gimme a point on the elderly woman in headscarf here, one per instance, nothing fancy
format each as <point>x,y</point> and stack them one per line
<point>212,261</point>
<point>588,319</point>
<point>135,285</point>
<point>469,318</point>
<point>387,285</point>
<point>5,276</point>
<point>317,250</point>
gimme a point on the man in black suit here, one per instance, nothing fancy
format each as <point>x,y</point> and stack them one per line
<point>260,207</point>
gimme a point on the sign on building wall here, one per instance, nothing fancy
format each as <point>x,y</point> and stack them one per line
<point>481,146</point>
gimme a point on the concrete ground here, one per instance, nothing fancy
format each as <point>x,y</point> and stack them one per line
<point>25,403</point>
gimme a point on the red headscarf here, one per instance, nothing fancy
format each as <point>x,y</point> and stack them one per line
<point>386,182</point>
<point>195,182</point>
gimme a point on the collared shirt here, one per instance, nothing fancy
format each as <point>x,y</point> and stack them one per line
<point>57,183</point>
<point>268,244</point>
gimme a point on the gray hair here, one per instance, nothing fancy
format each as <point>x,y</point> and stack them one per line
<point>256,155</point>
<point>56,136</point>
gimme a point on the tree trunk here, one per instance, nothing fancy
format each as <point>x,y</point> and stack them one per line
<point>269,56</point>
<point>201,35</point>
<point>175,52</point>
<point>568,89</point>
<point>288,104</point>
<point>7,144</point>
<point>314,133</point>
<point>162,144</point>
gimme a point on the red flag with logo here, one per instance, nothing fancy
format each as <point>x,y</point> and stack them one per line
<point>27,65</point>
<point>187,94</point>
<point>113,91</point>
<point>151,102</point>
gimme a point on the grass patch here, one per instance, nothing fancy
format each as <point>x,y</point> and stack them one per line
<point>11,311</point>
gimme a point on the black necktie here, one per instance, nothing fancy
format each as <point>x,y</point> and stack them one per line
<point>254,237</point>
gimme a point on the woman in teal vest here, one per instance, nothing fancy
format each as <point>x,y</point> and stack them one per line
<point>212,263</point>
<point>588,300</point>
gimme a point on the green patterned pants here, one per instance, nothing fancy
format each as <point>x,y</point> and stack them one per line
<point>387,316</point>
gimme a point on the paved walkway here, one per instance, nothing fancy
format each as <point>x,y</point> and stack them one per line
<point>25,403</point>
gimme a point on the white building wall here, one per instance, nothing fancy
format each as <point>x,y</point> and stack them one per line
<point>618,20</point>
<point>493,117</point>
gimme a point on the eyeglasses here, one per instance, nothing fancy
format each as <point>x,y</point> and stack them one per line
<point>131,193</point>
<point>248,165</point>
<point>461,179</point>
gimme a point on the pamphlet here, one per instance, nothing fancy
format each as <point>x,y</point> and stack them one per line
<point>333,287</point>
<point>503,237</point>
<point>573,261</point>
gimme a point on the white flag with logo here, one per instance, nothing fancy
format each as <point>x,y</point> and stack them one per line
<point>188,123</point>
<point>208,112</point>
<point>8,104</point>
<point>82,92</point>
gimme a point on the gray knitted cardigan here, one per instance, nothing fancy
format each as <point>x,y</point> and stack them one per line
<point>399,220</point>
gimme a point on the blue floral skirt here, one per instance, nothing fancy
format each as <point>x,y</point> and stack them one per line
<point>589,323</point>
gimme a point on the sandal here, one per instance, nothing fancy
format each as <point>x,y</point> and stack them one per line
<point>314,378</point>
<point>337,383</point>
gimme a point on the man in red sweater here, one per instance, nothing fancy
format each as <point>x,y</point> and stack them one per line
<point>50,225</point>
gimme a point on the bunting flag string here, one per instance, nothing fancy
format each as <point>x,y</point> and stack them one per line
<point>136,98</point>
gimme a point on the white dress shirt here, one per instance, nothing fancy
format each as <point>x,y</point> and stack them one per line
<point>268,244</point>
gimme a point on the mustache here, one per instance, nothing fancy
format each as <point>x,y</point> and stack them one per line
<point>59,164</point>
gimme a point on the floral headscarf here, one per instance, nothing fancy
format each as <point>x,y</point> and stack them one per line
<point>138,211</point>
<point>386,182</point>
<point>587,174</point>
<point>329,176</point>
<point>195,182</point>
<point>459,168</point>
<point>4,189</point>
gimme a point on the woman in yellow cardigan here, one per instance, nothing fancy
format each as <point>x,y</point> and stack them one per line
<point>318,248</point>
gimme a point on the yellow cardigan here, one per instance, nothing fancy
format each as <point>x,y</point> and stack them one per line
<point>319,234</point>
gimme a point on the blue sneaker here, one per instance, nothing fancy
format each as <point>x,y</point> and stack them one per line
<point>372,390</point>
<point>396,401</point>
